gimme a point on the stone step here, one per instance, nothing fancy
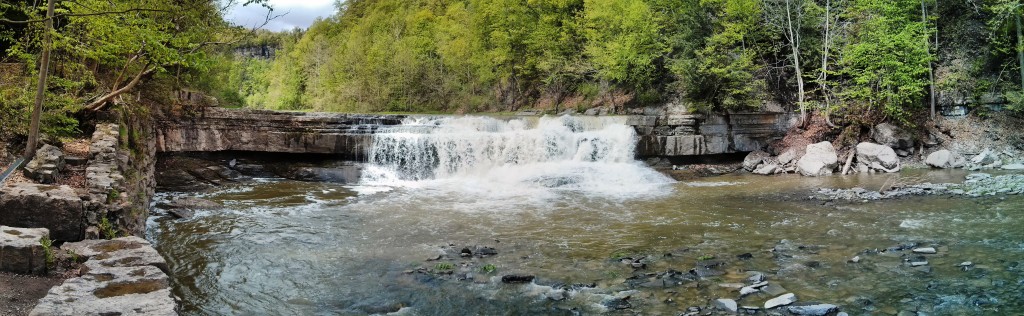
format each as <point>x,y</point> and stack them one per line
<point>21,251</point>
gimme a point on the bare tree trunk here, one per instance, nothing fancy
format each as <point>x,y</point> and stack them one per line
<point>44,69</point>
<point>931,73</point>
<point>102,101</point>
<point>1020,53</point>
<point>794,43</point>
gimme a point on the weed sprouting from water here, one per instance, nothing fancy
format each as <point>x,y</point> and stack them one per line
<point>444,266</point>
<point>488,268</point>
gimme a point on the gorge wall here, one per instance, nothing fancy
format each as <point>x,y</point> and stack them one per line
<point>349,135</point>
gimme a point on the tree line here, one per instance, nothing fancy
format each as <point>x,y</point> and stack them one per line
<point>865,59</point>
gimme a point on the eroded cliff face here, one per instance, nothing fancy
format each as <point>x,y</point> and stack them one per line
<point>218,129</point>
<point>349,136</point>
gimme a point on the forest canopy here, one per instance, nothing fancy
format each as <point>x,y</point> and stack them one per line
<point>868,60</point>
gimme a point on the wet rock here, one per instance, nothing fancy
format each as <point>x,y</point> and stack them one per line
<point>814,310</point>
<point>747,290</point>
<point>820,159</point>
<point>20,250</point>
<point>618,303</point>
<point>190,203</point>
<point>46,165</point>
<point>65,216</point>
<point>484,252</point>
<point>892,136</point>
<point>877,157</point>
<point>465,253</point>
<point>755,277</point>
<point>1014,166</point>
<point>514,278</point>
<point>925,250</point>
<point>782,300</point>
<point>754,159</point>
<point>855,259</point>
<point>726,304</point>
<point>745,256</point>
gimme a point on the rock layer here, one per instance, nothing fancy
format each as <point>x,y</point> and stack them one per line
<point>57,208</point>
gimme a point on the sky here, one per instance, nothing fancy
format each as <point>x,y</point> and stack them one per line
<point>300,13</point>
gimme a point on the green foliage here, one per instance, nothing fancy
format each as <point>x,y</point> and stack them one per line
<point>107,229</point>
<point>705,257</point>
<point>113,195</point>
<point>47,244</point>
<point>887,58</point>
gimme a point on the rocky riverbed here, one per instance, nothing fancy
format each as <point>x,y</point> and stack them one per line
<point>975,185</point>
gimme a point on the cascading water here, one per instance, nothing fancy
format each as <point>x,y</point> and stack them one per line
<point>513,157</point>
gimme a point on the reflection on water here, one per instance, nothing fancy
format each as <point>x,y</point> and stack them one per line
<point>283,247</point>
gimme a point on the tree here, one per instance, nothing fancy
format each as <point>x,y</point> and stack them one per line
<point>885,60</point>
<point>787,16</point>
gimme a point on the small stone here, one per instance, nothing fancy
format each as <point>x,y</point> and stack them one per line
<point>855,259</point>
<point>512,278</point>
<point>785,299</point>
<point>965,264</point>
<point>918,263</point>
<point>726,305</point>
<point>747,290</point>
<point>773,289</point>
<point>925,250</point>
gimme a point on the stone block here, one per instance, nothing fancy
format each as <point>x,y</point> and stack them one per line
<point>21,251</point>
<point>683,145</point>
<point>57,208</point>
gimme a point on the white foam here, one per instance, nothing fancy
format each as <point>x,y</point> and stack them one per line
<point>486,158</point>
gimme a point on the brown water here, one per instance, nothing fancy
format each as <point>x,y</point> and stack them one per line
<point>284,247</point>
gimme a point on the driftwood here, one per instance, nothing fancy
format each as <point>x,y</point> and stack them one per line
<point>849,161</point>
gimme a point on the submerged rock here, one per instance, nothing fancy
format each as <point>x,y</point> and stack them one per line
<point>515,278</point>
<point>726,304</point>
<point>814,310</point>
<point>785,299</point>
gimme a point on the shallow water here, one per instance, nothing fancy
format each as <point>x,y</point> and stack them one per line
<point>563,200</point>
<point>284,247</point>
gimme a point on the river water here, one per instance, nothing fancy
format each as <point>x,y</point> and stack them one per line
<point>562,199</point>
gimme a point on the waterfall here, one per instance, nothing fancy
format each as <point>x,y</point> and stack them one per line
<point>587,154</point>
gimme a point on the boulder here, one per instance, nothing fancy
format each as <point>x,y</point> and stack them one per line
<point>46,165</point>
<point>820,159</point>
<point>877,157</point>
<point>754,159</point>
<point>945,159</point>
<point>119,252</point>
<point>767,169</point>
<point>892,136</point>
<point>20,250</point>
<point>22,205</point>
<point>787,156</point>
<point>986,157</point>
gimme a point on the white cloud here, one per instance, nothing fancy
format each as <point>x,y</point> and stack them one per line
<point>297,14</point>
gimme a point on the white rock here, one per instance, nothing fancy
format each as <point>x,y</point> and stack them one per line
<point>1014,166</point>
<point>820,159</point>
<point>925,250</point>
<point>767,169</point>
<point>727,305</point>
<point>747,290</point>
<point>878,157</point>
<point>813,310</point>
<point>784,299</point>
<point>754,159</point>
<point>945,159</point>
